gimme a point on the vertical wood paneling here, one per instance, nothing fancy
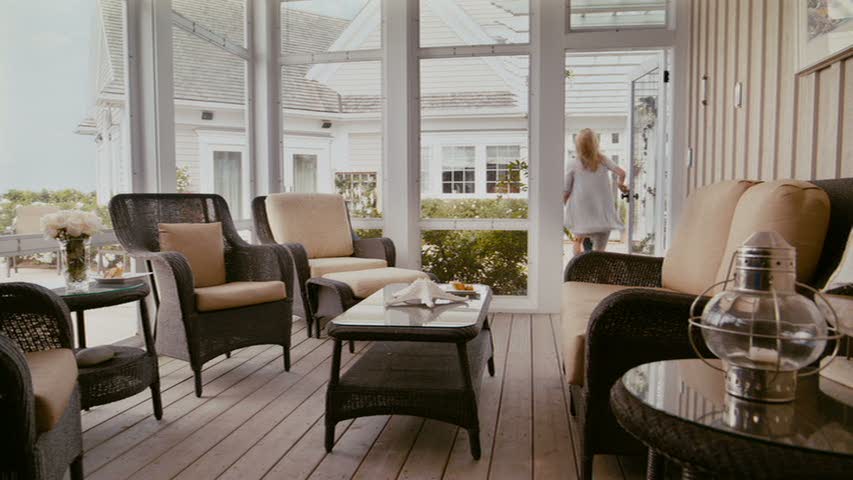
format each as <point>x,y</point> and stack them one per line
<point>703,113</point>
<point>695,83</point>
<point>828,119</point>
<point>742,113</point>
<point>787,94</point>
<point>719,154</point>
<point>731,77</point>
<point>847,121</point>
<point>770,125</point>
<point>790,124</point>
<point>755,89</point>
<point>807,90</point>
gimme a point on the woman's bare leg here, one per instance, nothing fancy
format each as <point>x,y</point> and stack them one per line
<point>577,245</point>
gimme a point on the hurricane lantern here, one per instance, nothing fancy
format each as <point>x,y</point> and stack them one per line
<point>759,326</point>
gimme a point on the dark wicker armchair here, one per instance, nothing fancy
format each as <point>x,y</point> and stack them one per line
<point>184,331</point>
<point>38,440</point>
<point>637,325</point>
<point>362,248</point>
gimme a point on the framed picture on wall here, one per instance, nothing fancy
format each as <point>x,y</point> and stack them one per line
<point>824,27</point>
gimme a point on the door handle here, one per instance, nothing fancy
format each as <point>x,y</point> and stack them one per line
<point>627,195</point>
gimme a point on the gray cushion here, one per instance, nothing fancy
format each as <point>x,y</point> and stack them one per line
<point>88,357</point>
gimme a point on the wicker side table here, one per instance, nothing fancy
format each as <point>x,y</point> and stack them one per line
<point>679,409</point>
<point>132,369</point>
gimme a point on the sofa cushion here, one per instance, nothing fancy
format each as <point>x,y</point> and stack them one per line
<point>238,294</point>
<point>318,221</point>
<point>365,282</point>
<point>322,266</point>
<point>202,245</point>
<point>797,210</point>
<point>693,260</point>
<point>579,301</point>
<point>54,376</point>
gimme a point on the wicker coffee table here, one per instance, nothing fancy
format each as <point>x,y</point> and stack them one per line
<point>132,369</point>
<point>424,362</point>
<point>680,410</point>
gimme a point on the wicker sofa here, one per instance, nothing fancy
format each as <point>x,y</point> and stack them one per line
<point>39,398</point>
<point>247,302</point>
<point>620,311</point>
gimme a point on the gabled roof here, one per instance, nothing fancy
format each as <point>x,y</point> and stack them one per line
<point>204,72</point>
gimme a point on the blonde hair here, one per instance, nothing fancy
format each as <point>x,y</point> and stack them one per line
<point>586,145</point>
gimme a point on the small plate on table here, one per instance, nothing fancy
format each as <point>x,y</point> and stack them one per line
<point>460,293</point>
<point>125,279</point>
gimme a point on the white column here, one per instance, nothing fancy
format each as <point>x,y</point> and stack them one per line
<point>547,140</point>
<point>401,129</point>
<point>677,183</point>
<point>263,34</point>
<point>150,94</point>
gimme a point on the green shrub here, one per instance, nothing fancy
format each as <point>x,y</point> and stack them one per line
<point>67,199</point>
<point>494,257</point>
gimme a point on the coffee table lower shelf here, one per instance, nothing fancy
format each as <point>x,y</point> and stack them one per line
<point>436,380</point>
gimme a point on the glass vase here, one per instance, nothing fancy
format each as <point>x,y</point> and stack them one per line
<point>75,264</point>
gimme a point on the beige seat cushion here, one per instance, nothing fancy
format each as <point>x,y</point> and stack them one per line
<point>238,294</point>
<point>54,375</point>
<point>797,210</point>
<point>579,301</point>
<point>366,282</point>
<point>322,266</point>
<point>202,245</point>
<point>318,221</point>
<point>693,260</point>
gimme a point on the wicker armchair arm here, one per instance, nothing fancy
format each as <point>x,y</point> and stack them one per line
<point>34,317</point>
<point>381,248</point>
<point>633,327</point>
<point>175,281</point>
<point>17,404</point>
<point>299,257</point>
<point>248,263</point>
<point>615,269</point>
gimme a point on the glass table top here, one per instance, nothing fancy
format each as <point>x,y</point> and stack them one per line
<point>372,312</point>
<point>97,288</point>
<point>821,418</point>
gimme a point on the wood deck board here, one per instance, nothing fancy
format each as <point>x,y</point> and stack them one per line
<point>257,421</point>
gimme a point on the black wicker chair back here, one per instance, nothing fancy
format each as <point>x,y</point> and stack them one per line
<point>32,318</point>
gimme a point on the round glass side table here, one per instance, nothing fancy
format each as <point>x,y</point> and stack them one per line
<point>679,409</point>
<point>131,370</point>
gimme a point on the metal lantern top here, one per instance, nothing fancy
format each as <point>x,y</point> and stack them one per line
<point>765,262</point>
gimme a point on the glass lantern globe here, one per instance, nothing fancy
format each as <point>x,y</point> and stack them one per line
<point>762,329</point>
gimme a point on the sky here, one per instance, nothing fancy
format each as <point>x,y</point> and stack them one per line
<point>44,93</point>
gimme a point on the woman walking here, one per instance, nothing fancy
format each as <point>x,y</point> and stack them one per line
<point>588,195</point>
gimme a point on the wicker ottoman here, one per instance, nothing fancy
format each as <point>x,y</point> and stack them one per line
<point>334,293</point>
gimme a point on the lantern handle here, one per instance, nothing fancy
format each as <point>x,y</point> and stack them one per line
<point>833,325</point>
<point>692,318</point>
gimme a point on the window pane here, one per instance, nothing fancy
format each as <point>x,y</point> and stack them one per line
<point>332,123</point>
<point>607,14</point>
<point>474,22</point>
<point>63,137</point>
<point>496,258</point>
<point>318,26</point>
<point>474,119</point>
<point>211,149</point>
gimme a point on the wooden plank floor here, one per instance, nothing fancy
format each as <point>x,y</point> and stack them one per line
<point>257,421</point>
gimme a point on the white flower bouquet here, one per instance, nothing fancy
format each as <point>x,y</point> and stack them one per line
<point>71,224</point>
<point>73,229</point>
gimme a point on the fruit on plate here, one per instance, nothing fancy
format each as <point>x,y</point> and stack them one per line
<point>115,272</point>
<point>466,287</point>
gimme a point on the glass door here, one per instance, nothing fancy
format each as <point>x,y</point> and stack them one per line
<point>304,173</point>
<point>647,157</point>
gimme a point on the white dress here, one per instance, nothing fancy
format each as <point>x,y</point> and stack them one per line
<point>592,205</point>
